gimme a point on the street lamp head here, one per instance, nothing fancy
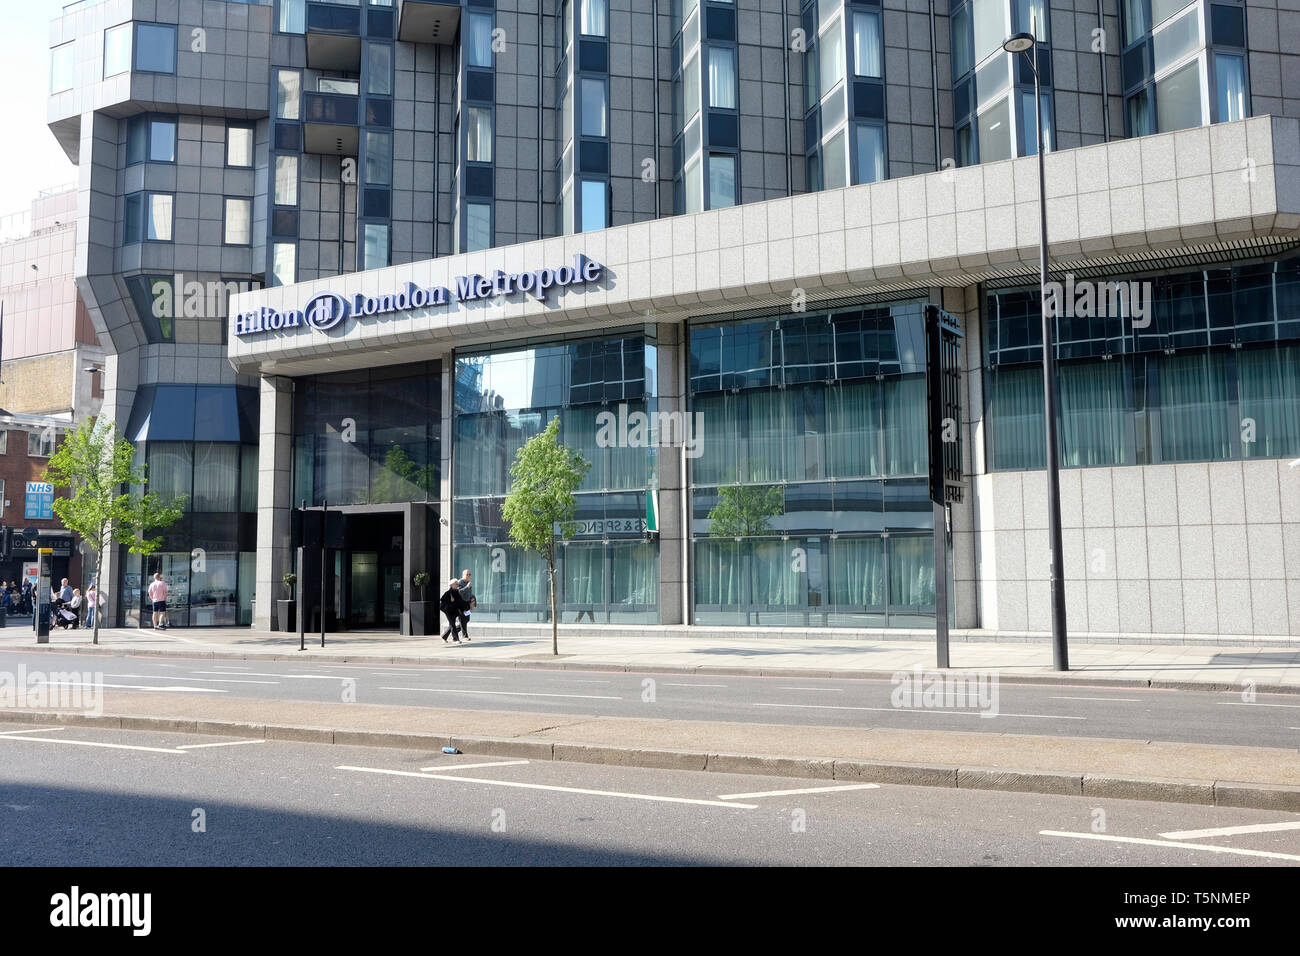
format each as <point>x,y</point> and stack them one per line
<point>1018,42</point>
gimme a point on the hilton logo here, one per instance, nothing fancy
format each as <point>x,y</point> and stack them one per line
<point>327,310</point>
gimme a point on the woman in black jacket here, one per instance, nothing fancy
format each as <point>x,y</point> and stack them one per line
<point>453,606</point>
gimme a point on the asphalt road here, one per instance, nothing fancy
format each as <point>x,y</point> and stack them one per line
<point>86,796</point>
<point>1066,710</point>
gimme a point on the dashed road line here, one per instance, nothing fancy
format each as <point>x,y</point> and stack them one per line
<point>503,693</point>
<point>1204,847</point>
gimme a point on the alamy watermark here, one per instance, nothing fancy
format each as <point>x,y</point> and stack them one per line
<point>919,689</point>
<point>1091,300</point>
<point>59,690</point>
<point>637,429</point>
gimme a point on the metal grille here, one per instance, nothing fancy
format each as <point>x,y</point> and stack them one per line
<point>943,337</point>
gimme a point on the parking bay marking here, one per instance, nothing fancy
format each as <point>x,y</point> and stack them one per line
<point>502,693</point>
<point>471,766</point>
<point>541,786</point>
<point>95,743</point>
<point>1207,848</point>
<point>791,793</point>
<point>1231,831</point>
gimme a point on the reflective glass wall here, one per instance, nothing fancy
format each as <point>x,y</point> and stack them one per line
<point>809,501</point>
<point>1211,373</point>
<point>368,437</point>
<point>609,571</point>
<point>199,445</point>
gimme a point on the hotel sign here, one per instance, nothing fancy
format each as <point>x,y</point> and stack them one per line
<point>327,310</point>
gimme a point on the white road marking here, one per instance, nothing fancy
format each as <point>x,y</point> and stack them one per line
<point>38,730</point>
<point>542,786</point>
<point>298,676</point>
<point>442,768</point>
<point>578,680</point>
<point>1205,847</point>
<point>1230,831</point>
<point>1243,703</point>
<point>92,743</point>
<point>224,743</point>
<point>206,680</point>
<point>913,710</point>
<point>829,690</point>
<point>172,690</point>
<point>502,693</point>
<point>791,793</point>
<point>666,684</point>
<point>1125,700</point>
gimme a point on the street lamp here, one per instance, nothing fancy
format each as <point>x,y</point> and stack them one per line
<point>1023,43</point>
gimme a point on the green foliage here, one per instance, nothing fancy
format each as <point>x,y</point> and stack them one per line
<point>545,475</point>
<point>744,510</point>
<point>421,581</point>
<point>289,580</point>
<point>96,468</point>
<point>399,476</point>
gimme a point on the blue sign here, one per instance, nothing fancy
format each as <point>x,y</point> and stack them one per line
<point>39,502</point>
<point>327,310</point>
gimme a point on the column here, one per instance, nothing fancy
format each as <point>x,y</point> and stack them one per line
<point>670,392</point>
<point>274,496</point>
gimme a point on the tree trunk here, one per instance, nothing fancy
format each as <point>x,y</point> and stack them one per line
<point>555,621</point>
<point>99,561</point>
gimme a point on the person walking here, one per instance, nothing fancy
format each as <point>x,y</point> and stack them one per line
<point>65,592</point>
<point>158,600</point>
<point>93,603</point>
<point>471,602</point>
<point>452,606</point>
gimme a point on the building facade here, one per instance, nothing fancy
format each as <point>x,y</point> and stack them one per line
<point>702,234</point>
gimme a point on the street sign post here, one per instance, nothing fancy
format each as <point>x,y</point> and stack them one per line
<point>42,596</point>
<point>943,337</point>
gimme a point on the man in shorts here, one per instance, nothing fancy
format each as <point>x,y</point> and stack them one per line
<point>158,599</point>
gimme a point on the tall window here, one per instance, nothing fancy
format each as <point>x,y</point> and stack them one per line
<point>379,158</point>
<point>375,242</point>
<point>478,226</point>
<point>288,94</point>
<point>868,47</point>
<point>478,130</point>
<point>722,180</point>
<point>722,77</point>
<point>1230,86</point>
<point>480,39</point>
<point>62,68</point>
<point>117,49</point>
<point>293,16</point>
<point>239,219</point>
<point>595,202</point>
<point>239,146</point>
<point>286,180</point>
<point>592,15</point>
<point>379,68</point>
<point>595,107</point>
<point>150,139</point>
<point>155,48</point>
<point>283,263</point>
<point>871,153</point>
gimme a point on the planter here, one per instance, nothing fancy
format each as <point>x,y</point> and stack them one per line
<point>423,616</point>
<point>285,616</point>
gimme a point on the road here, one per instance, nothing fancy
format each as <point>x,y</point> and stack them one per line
<point>1066,710</point>
<point>80,796</point>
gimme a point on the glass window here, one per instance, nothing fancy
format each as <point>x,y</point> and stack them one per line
<point>1031,17</point>
<point>595,214</point>
<point>1230,87</point>
<point>239,222</point>
<point>963,57</point>
<point>137,139</point>
<point>480,39</point>
<point>283,263</point>
<point>293,16</point>
<point>1177,40</point>
<point>868,49</point>
<point>830,56</point>
<point>722,180</point>
<point>871,153</point>
<point>478,226</point>
<point>566,209</point>
<point>995,141</point>
<point>594,107</point>
<point>379,67</point>
<point>1137,19</point>
<point>1162,10</point>
<point>379,158</point>
<point>835,161</point>
<point>158,226</point>
<point>375,240</point>
<point>41,444</point>
<point>162,140</point>
<point>62,68</point>
<point>694,185</point>
<point>592,18</point>
<point>288,94</point>
<point>1138,114</point>
<point>1029,123</point>
<point>155,48</point>
<point>1178,99</point>
<point>722,77</point>
<point>691,87</point>
<point>239,146</point>
<point>478,128</point>
<point>133,218</point>
<point>991,27</point>
<point>286,180</point>
<point>117,49</point>
<point>334,84</point>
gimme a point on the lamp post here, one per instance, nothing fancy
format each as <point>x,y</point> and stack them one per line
<point>1023,43</point>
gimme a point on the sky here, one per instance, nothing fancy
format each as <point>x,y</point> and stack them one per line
<point>31,160</point>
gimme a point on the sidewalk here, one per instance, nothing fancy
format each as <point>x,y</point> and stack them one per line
<point>1200,666</point>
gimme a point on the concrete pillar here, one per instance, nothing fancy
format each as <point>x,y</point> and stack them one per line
<point>670,396</point>
<point>443,544</point>
<point>274,495</point>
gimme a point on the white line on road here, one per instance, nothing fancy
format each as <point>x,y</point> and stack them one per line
<point>224,743</point>
<point>1124,700</point>
<point>502,693</point>
<point>1243,703</point>
<point>693,685</point>
<point>1207,848</point>
<point>92,743</point>
<point>170,690</point>
<point>911,710</point>
<point>38,730</point>
<point>298,676</point>
<point>830,690</point>
<point>1230,831</point>
<point>205,680</point>
<point>443,768</point>
<point>542,786</point>
<point>791,793</point>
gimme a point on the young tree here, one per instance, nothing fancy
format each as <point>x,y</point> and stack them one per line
<point>545,474</point>
<point>96,467</point>
<point>744,510</point>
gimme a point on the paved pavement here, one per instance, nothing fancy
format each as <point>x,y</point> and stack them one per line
<point>1226,666</point>
<point>78,796</point>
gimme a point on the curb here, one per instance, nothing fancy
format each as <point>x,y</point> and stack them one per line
<point>1223,793</point>
<point>1072,678</point>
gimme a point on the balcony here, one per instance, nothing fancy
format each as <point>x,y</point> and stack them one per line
<point>330,123</point>
<point>427,21</point>
<point>334,37</point>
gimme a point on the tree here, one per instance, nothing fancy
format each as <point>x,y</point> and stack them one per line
<point>400,476</point>
<point>545,475</point>
<point>743,510</point>
<point>97,469</point>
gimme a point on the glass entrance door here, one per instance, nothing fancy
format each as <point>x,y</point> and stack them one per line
<point>364,591</point>
<point>392,599</point>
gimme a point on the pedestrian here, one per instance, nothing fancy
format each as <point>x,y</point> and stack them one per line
<point>158,599</point>
<point>65,592</point>
<point>452,606</point>
<point>76,605</point>
<point>94,604</point>
<point>471,602</point>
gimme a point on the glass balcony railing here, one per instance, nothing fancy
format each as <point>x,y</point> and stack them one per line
<point>337,108</point>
